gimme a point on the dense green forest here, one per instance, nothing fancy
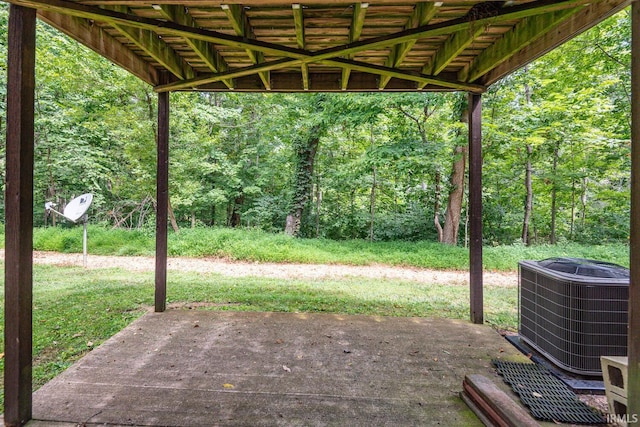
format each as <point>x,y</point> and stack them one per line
<point>342,166</point>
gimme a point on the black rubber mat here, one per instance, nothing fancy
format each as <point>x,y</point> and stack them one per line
<point>548,398</point>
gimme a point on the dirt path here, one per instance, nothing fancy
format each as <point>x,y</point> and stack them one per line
<point>272,270</point>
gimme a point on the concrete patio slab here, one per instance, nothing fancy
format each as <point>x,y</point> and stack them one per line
<point>204,368</point>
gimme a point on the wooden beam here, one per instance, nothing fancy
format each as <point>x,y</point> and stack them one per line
<point>155,47</point>
<point>633,337</point>
<point>239,21</point>
<point>18,275</point>
<point>589,16</point>
<point>321,81</point>
<point>475,209</point>
<point>98,40</point>
<point>298,20</point>
<point>339,62</point>
<point>455,45</point>
<point>162,201</point>
<point>439,29</point>
<point>523,34</point>
<point>355,30</point>
<point>209,55</point>
<point>421,15</point>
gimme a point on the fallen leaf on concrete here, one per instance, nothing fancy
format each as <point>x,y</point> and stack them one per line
<point>279,341</point>
<point>227,385</point>
<point>286,368</point>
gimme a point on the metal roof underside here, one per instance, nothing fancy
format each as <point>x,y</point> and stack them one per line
<point>322,45</point>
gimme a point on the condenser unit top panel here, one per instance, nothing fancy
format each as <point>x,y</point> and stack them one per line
<point>581,270</point>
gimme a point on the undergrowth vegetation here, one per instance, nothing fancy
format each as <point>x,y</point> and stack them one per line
<point>257,245</point>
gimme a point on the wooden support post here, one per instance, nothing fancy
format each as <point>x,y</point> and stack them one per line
<point>475,208</point>
<point>19,216</point>
<point>162,200</point>
<point>633,348</point>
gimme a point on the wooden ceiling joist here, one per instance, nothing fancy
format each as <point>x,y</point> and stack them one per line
<point>455,44</point>
<point>524,33</point>
<point>422,14</point>
<point>152,45</point>
<point>298,20</point>
<point>355,31</point>
<point>242,27</point>
<point>209,55</point>
<point>446,45</point>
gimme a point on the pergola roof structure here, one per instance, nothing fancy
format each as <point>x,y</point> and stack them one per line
<point>322,45</point>
<point>272,46</point>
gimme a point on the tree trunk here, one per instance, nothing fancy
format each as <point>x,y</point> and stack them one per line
<point>436,207</point>
<point>235,219</point>
<point>528,205</point>
<point>554,193</point>
<point>454,206</point>
<point>172,217</point>
<point>305,158</point>
<point>318,206</point>
<point>583,201</point>
<point>573,208</point>
<point>373,203</point>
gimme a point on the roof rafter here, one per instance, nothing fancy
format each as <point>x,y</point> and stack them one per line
<point>98,40</point>
<point>455,44</point>
<point>355,30</point>
<point>236,15</point>
<point>443,28</point>
<point>523,34</point>
<point>204,50</point>
<point>298,20</point>
<point>295,57</point>
<point>155,47</point>
<point>421,15</point>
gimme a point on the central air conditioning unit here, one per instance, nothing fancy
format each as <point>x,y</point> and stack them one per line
<point>572,311</point>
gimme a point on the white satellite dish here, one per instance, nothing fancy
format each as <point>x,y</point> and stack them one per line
<point>76,208</point>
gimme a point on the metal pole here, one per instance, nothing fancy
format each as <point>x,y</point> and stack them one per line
<point>18,313</point>
<point>84,241</point>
